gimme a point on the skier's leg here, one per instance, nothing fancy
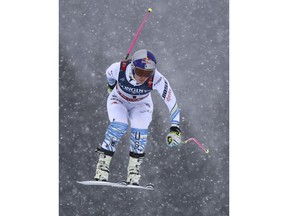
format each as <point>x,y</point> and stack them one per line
<point>118,116</point>
<point>118,126</point>
<point>140,118</point>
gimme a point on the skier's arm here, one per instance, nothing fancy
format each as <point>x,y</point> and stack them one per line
<point>112,73</point>
<point>163,87</point>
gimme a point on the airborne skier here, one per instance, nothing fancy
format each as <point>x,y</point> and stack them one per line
<point>130,83</point>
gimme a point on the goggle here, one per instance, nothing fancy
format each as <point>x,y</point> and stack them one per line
<point>143,73</point>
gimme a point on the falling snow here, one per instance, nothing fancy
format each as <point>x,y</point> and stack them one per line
<point>190,41</point>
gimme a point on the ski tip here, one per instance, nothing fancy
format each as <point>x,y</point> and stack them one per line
<point>79,182</point>
<point>82,182</point>
<point>150,186</point>
<point>89,182</point>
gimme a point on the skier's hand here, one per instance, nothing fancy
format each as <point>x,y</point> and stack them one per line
<point>174,137</point>
<point>110,87</point>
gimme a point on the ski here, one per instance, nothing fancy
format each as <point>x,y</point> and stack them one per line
<point>118,185</point>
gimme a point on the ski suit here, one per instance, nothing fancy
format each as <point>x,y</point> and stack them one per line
<point>132,102</point>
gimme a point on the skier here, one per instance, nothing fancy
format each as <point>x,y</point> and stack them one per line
<point>130,83</point>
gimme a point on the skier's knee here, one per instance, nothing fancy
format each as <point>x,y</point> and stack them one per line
<point>113,135</point>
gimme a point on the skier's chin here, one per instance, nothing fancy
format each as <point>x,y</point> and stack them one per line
<point>141,82</point>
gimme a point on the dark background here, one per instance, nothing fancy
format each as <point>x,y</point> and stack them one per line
<point>190,39</point>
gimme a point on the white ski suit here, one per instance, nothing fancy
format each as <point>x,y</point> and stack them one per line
<point>132,102</point>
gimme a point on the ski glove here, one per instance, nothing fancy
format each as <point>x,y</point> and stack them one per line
<point>110,87</point>
<point>174,137</point>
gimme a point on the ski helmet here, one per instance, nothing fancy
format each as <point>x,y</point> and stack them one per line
<point>143,63</point>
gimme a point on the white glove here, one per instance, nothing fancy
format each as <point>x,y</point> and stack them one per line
<point>174,137</point>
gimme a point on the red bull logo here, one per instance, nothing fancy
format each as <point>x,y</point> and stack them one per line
<point>146,60</point>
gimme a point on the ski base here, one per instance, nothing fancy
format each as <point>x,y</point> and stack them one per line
<point>118,185</point>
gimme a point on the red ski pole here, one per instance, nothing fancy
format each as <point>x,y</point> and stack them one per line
<point>193,139</point>
<point>138,32</point>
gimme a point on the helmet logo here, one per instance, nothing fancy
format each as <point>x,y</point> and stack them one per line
<point>143,59</point>
<point>146,61</point>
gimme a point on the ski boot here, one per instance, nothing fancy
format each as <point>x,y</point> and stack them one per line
<point>102,167</point>
<point>135,161</point>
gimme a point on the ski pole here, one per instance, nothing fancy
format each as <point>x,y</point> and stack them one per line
<point>138,32</point>
<point>193,139</point>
